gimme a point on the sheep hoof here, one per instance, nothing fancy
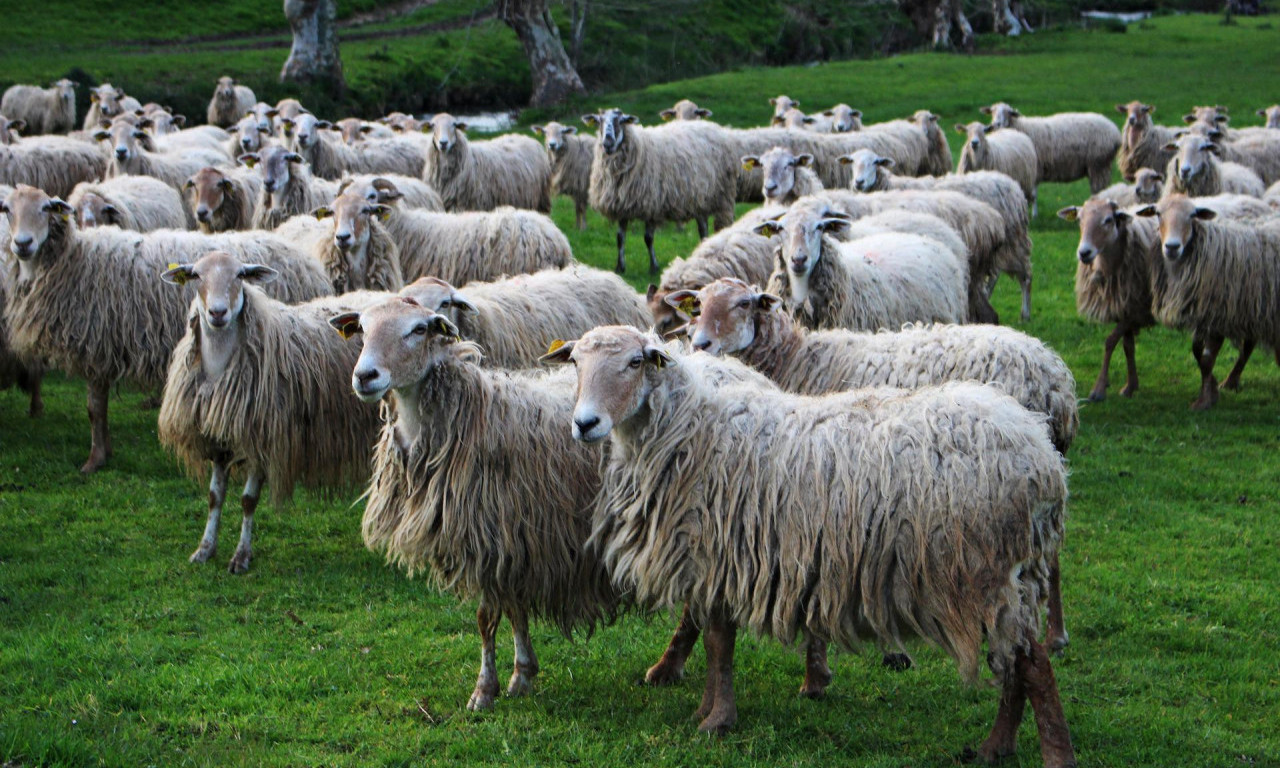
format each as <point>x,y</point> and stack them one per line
<point>987,754</point>
<point>519,685</point>
<point>812,690</point>
<point>239,562</point>
<point>36,410</point>
<point>480,700</point>
<point>1204,402</point>
<point>203,553</point>
<point>897,662</point>
<point>1128,391</point>
<point>664,673</point>
<point>1232,384</point>
<point>94,463</point>
<point>1057,643</point>
<point>719,722</point>
<point>1098,395</point>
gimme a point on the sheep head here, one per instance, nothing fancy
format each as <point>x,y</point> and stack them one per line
<point>844,118</point>
<point>32,215</point>
<point>554,135</point>
<point>128,137</point>
<point>1002,115</point>
<point>1272,114</point>
<point>352,213</point>
<point>1146,184</point>
<point>274,164</point>
<point>779,166</point>
<point>403,343</point>
<point>866,169</point>
<point>305,130</point>
<point>684,110</point>
<point>802,229</point>
<point>793,119</point>
<point>1178,215</point>
<point>250,133</point>
<point>611,126</point>
<point>1193,154</point>
<point>727,315</point>
<point>352,129</point>
<point>206,192</point>
<point>95,211</point>
<point>440,297</point>
<point>220,279</point>
<point>782,103</point>
<point>10,129</point>
<point>1102,225</point>
<point>446,131</point>
<point>226,88</point>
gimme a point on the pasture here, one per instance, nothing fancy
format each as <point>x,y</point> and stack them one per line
<point>114,650</point>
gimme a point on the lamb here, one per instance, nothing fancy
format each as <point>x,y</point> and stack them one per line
<point>1196,170</point>
<point>353,264</point>
<point>26,374</point>
<point>288,188</point>
<point>383,188</point>
<point>877,549</point>
<point>1271,113</point>
<point>52,163</point>
<point>133,156</point>
<point>476,481</point>
<point>139,203</point>
<point>684,110</point>
<point>1006,151</point>
<point>223,199</point>
<point>1143,142</point>
<point>1068,145</point>
<point>231,101</point>
<point>1219,279</point>
<point>680,172</point>
<point>331,159</point>
<point>1145,189</point>
<point>513,319</point>
<point>89,303</point>
<point>881,281</point>
<point>106,102</point>
<point>481,176</point>
<point>44,110</point>
<point>571,154</point>
<point>257,384</point>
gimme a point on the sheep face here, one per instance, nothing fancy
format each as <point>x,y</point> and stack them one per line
<point>352,129</point>
<point>685,110</point>
<point>1272,114</point>
<point>1178,215</point>
<point>305,130</point>
<point>274,165</point>
<point>611,127</point>
<point>220,279</point>
<point>402,123</point>
<point>976,141</point>
<point>1102,225</point>
<point>616,373</point>
<point>780,172</point>
<point>226,89</point>
<point>866,169</point>
<point>439,297</point>
<point>801,249</point>
<point>1002,115</point>
<point>845,119</point>
<point>403,342</point>
<point>250,133</point>
<point>792,119</point>
<point>554,135</point>
<point>1147,184</point>
<point>444,131</point>
<point>375,190</point>
<point>666,318</point>
<point>351,212</point>
<point>94,211</point>
<point>1213,115</point>
<point>206,192</point>
<point>66,89</point>
<point>9,129</point>
<point>263,114</point>
<point>31,212</point>
<point>1193,156</point>
<point>927,122</point>
<point>1137,120</point>
<point>127,138</point>
<point>164,123</point>
<point>107,97</point>
<point>782,103</point>
<point>727,317</point>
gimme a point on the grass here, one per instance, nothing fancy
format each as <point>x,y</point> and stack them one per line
<point>115,651</point>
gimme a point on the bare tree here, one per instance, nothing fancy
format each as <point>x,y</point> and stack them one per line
<point>554,77</point>
<point>942,21</point>
<point>578,25</point>
<point>1008,18</point>
<point>314,58</point>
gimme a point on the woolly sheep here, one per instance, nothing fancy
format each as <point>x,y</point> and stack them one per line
<point>1144,189</point>
<point>1068,145</point>
<point>679,172</point>
<point>881,281</point>
<point>1271,113</point>
<point>330,158</point>
<point>399,122</point>
<point>878,549</point>
<point>43,110</point>
<point>1215,118</point>
<point>385,187</point>
<point>288,188</point>
<point>354,130</point>
<point>571,154</point>
<point>684,110</point>
<point>26,374</point>
<point>841,118</point>
<point>1196,170</point>
<point>782,103</point>
<point>785,176</point>
<point>89,303</point>
<point>55,164</point>
<point>247,135</point>
<point>132,154</point>
<point>231,101</point>
<point>1260,153</point>
<point>106,102</point>
<point>223,199</point>
<point>1220,279</point>
<point>139,203</point>
<point>1143,142</point>
<point>286,109</point>
<point>795,120</point>
<point>257,384</point>
<point>1006,151</point>
<point>480,176</point>
<point>514,319</point>
<point>345,252</point>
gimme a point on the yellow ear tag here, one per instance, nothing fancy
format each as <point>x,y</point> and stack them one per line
<point>748,166</point>
<point>555,345</point>
<point>689,306</point>
<point>349,329</point>
<point>178,277</point>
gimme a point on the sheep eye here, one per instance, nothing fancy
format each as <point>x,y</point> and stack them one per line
<point>744,304</point>
<point>636,361</point>
<point>420,329</point>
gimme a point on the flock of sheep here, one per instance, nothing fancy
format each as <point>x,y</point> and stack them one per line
<point>246,270</point>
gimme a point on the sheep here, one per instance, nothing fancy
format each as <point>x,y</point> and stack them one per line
<point>1068,145</point>
<point>88,301</point>
<point>264,114</point>
<point>841,118</point>
<point>345,251</point>
<point>247,135</point>
<point>331,159</point>
<point>11,130</point>
<point>783,103</point>
<point>132,155</point>
<point>826,150</point>
<point>231,101</point>
<point>204,138</point>
<point>139,203</point>
<point>55,164</point>
<point>27,374</point>
<point>383,188</point>
<point>164,122</point>
<point>795,120</point>
<point>684,110</point>
<point>354,130</point>
<point>513,319</point>
<point>44,110</point>
<point>876,549</point>
<point>1145,188</point>
<point>106,102</point>
<point>1206,119</point>
<point>1196,170</point>
<point>1007,151</point>
<point>737,251</point>
<point>257,384</point>
<point>1219,279</point>
<point>1271,113</point>
<point>1143,142</point>
<point>399,122</point>
<point>881,281</point>
<point>288,188</point>
<point>785,176</point>
<point>481,176</point>
<point>571,154</point>
<point>286,109</point>
<point>912,143</point>
<point>492,497</point>
<point>680,172</point>
<point>223,199</point>
<point>1260,153</point>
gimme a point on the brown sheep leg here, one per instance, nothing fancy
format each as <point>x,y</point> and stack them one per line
<point>1099,178</point>
<point>621,267</point>
<point>1025,282</point>
<point>817,675</point>
<point>30,382</point>
<point>487,682</point>
<point>1099,392</point>
<point>702,228</point>
<point>248,504</point>
<point>718,705</point>
<point>1042,690</point>
<point>1131,365</point>
<point>1233,379</point>
<point>896,662</point>
<point>1208,384</point>
<point>525,667</point>
<point>217,495</point>
<point>580,214</point>
<point>670,668</point>
<point>1056,638</point>
<point>649,227</point>
<point>100,436</point>
<point>1003,739</point>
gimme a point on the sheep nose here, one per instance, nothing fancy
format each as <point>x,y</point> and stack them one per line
<point>342,239</point>
<point>973,144</point>
<point>365,376</point>
<point>203,213</point>
<point>247,143</point>
<point>702,345</point>
<point>217,317</point>
<point>771,186</point>
<point>268,185</point>
<point>121,153</point>
<point>1171,249</point>
<point>1085,254</point>
<point>587,424</point>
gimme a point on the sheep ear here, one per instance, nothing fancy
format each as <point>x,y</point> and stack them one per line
<point>1015,113</point>
<point>461,302</point>
<point>657,357</point>
<point>1158,176</point>
<point>773,101</point>
<point>537,130</point>
<point>777,120</point>
<point>293,157</point>
<point>887,162</point>
<point>630,119</point>
<point>650,292</point>
<point>667,114</point>
<point>1221,119</point>
<point>1122,109</point>
<point>322,212</point>
<point>1170,147</point>
<point>17,125</point>
<point>591,120</point>
<point>258,273</point>
<point>272,112</point>
<point>180,120</point>
<point>767,228</point>
<point>1260,112</point>
<point>685,302</point>
<point>766,302</point>
<point>111,213</point>
<point>1214,149</point>
<point>845,159</point>
<point>366,128</point>
<point>383,212</point>
<point>857,113</point>
<point>1122,217</point>
<point>191,182</point>
<point>58,206</point>
<point>828,113</point>
<point>225,185</point>
<point>323,124</point>
<point>1188,119</point>
<point>93,97</point>
<point>1147,211</point>
<point>460,126</point>
<point>833,225</point>
<point>805,160</point>
<point>178,274</point>
<point>985,110</point>
<point>1070,213</point>
<point>102,135</point>
<point>703,113</point>
<point>988,128</point>
<point>346,324</point>
<point>750,162</point>
<point>249,159</point>
<point>569,130</point>
<point>960,128</point>
<point>808,120</point>
<point>558,353</point>
<point>1205,214</point>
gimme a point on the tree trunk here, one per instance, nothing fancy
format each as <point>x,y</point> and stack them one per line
<point>314,58</point>
<point>554,77</point>
<point>941,21</point>
<point>578,23</point>
<point>1007,18</point>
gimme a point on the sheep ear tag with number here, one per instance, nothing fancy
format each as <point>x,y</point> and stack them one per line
<point>555,345</point>
<point>689,306</point>
<point>177,275</point>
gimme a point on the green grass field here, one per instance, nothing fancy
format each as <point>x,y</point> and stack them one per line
<point>115,651</point>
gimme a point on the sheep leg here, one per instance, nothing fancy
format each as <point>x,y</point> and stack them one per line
<point>580,214</point>
<point>100,436</point>
<point>621,268</point>
<point>1131,364</point>
<point>1003,740</point>
<point>670,668</point>
<point>817,675</point>
<point>723,711</point>
<point>1025,282</point>
<point>248,504</point>
<point>702,228</point>
<point>1042,689</point>
<point>1208,383</point>
<point>1035,201</point>
<point>1056,638</point>
<point>30,382</point>
<point>217,495</point>
<point>1099,392</point>
<point>1233,379</point>
<point>1099,178</point>
<point>487,682</point>
<point>526,661</point>
<point>649,227</point>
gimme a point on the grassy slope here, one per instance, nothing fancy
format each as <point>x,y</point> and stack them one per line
<point>115,651</point>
